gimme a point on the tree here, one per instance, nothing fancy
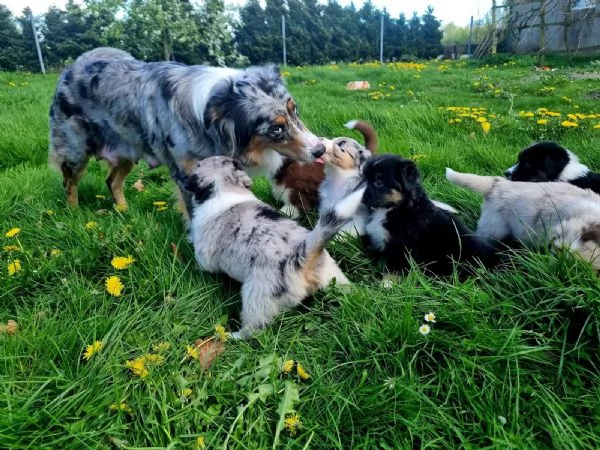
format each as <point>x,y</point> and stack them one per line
<point>11,39</point>
<point>431,35</point>
<point>28,56</point>
<point>250,36</point>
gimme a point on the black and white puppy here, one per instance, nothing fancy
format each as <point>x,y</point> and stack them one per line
<point>278,262</point>
<point>548,161</point>
<point>404,223</point>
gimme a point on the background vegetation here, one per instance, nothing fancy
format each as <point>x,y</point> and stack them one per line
<point>207,31</point>
<point>511,361</point>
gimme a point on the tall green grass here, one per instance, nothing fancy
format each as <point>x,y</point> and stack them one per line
<point>511,362</point>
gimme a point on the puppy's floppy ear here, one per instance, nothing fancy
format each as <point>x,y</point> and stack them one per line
<point>189,183</point>
<point>408,176</point>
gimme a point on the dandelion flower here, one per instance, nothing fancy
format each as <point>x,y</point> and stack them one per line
<point>14,267</point>
<point>481,119</point>
<point>114,286</point>
<point>153,359</point>
<point>100,196</point>
<point>430,317</point>
<point>122,262</point>
<point>424,329</point>
<point>302,373</point>
<point>221,333</point>
<point>162,346</point>
<point>573,116</point>
<point>11,248</point>
<point>568,124</point>
<point>49,212</point>
<point>528,114</point>
<point>186,392</point>
<point>597,127</point>
<point>120,407</point>
<point>293,424</point>
<point>192,352</point>
<point>90,225</point>
<point>200,443</point>
<point>287,366</point>
<point>542,121</point>
<point>486,127</point>
<point>55,252</point>
<point>12,232</point>
<point>92,349</point>
<point>138,367</point>
<point>159,203</point>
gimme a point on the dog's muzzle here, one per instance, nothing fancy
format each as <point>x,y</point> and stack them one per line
<point>318,150</point>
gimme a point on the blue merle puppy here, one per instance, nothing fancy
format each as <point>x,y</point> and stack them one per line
<point>111,106</point>
<point>278,262</point>
<point>404,223</point>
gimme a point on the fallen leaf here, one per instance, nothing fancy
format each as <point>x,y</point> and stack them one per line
<point>11,327</point>
<point>102,212</point>
<point>208,350</point>
<point>139,185</point>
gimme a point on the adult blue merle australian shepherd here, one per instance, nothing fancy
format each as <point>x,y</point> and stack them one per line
<point>111,106</point>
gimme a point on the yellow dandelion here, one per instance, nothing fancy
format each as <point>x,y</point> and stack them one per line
<point>120,407</point>
<point>186,392</point>
<point>528,114</point>
<point>14,267</point>
<point>221,333</point>
<point>159,203</point>
<point>55,252</point>
<point>162,208</point>
<point>192,352</point>
<point>137,367</point>
<point>114,286</point>
<point>458,120</point>
<point>287,366</point>
<point>121,207</point>
<point>92,349</point>
<point>12,232</point>
<point>597,127</point>
<point>292,424</point>
<point>100,196</point>
<point>200,443</point>
<point>49,212</point>
<point>161,346</point>
<point>481,119</point>
<point>451,121</point>
<point>11,248</point>
<point>430,317</point>
<point>553,114</point>
<point>424,329</point>
<point>153,359</point>
<point>542,121</point>
<point>568,124</point>
<point>90,225</point>
<point>486,126</point>
<point>572,117</point>
<point>122,262</point>
<point>302,373</point>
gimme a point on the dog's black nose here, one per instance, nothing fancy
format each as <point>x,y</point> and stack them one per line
<point>318,150</point>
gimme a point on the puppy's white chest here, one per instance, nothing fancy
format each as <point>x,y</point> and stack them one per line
<point>376,231</point>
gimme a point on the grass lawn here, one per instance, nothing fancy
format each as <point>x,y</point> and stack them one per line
<point>512,360</point>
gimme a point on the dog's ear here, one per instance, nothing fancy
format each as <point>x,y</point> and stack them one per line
<point>408,176</point>
<point>188,182</point>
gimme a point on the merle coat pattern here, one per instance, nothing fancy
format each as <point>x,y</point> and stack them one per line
<point>110,106</point>
<point>278,262</point>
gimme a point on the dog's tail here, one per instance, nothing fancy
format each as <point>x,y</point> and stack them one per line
<point>479,183</point>
<point>368,132</point>
<point>330,222</point>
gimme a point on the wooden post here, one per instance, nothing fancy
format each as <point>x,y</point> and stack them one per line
<point>494,29</point>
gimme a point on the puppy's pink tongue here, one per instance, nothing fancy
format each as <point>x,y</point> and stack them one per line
<point>319,160</point>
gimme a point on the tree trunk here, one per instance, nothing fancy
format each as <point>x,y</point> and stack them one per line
<point>542,51</point>
<point>494,29</point>
<point>166,42</point>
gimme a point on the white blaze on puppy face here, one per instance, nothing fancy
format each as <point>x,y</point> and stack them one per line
<point>574,169</point>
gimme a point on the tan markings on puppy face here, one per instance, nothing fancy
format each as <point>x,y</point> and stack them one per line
<point>342,153</point>
<point>394,196</point>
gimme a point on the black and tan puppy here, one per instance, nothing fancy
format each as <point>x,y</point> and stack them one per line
<point>404,223</point>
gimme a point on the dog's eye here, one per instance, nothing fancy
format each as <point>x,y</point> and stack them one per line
<point>276,132</point>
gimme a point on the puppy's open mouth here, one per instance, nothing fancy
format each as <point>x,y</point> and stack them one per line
<point>320,160</point>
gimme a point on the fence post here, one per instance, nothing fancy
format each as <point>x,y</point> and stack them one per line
<point>37,44</point>
<point>283,35</point>
<point>381,40</point>
<point>470,37</point>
